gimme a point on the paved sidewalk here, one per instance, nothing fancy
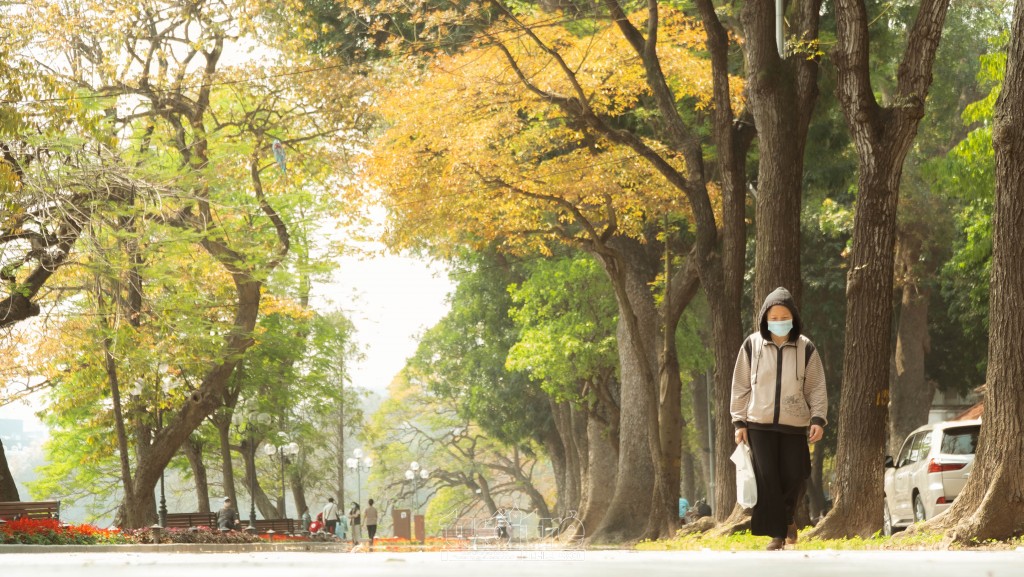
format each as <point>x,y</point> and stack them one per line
<point>521,563</point>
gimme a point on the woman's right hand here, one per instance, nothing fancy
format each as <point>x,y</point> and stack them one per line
<point>741,435</point>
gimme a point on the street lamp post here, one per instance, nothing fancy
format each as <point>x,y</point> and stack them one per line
<point>359,464</point>
<point>416,474</point>
<point>285,449</point>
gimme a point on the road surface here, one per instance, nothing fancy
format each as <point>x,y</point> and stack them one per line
<point>519,563</point>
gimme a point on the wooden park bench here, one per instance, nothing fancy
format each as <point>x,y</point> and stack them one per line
<point>11,510</point>
<point>190,520</point>
<point>462,532</point>
<point>286,526</point>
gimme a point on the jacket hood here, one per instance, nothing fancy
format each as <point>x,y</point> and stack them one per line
<point>780,296</point>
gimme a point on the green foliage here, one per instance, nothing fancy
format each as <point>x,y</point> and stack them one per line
<point>367,30</point>
<point>966,176</point>
<point>463,357</point>
<point>566,315</point>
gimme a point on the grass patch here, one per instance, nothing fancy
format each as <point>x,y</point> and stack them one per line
<point>744,541</point>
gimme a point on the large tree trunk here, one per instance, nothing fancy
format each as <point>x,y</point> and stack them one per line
<point>781,93</point>
<point>882,137</point>
<point>721,274</point>
<point>645,501</point>
<point>600,480</point>
<point>911,395</point>
<point>193,449</point>
<point>8,488</point>
<point>699,391</point>
<point>558,443</point>
<point>991,505</point>
<point>630,507</point>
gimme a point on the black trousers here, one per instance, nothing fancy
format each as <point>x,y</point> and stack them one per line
<point>782,464</point>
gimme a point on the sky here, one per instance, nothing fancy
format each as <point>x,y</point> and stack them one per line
<point>391,300</point>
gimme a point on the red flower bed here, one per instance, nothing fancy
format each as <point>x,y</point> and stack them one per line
<point>53,532</point>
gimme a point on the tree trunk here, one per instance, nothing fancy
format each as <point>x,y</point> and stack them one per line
<point>485,495</point>
<point>258,498</point>
<point>912,393</point>
<point>341,449</point>
<point>882,137</point>
<point>202,403</point>
<point>645,501</point>
<point>815,486</point>
<point>688,477</point>
<point>728,338</point>
<point>699,392</point>
<point>223,434</point>
<point>8,488</point>
<point>630,507</point>
<point>721,274</point>
<point>558,443</point>
<point>298,493</point>
<point>579,444</point>
<point>134,505</point>
<point>781,94</point>
<point>193,449</point>
<point>991,505</point>
<point>600,481</point>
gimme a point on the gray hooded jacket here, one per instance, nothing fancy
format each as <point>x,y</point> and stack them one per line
<point>777,398</point>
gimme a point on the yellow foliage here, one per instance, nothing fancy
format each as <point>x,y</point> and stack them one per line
<point>473,156</point>
<point>271,304</point>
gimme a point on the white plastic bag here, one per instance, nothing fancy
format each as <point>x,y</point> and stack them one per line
<point>746,483</point>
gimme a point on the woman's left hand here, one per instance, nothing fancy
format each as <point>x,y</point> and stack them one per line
<point>815,434</point>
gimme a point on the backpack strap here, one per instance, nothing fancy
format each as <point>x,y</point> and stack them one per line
<point>801,358</point>
<point>756,346</point>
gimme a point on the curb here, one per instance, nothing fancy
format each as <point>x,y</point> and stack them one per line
<point>181,548</point>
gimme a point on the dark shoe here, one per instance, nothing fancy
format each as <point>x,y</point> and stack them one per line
<point>791,534</point>
<point>776,544</point>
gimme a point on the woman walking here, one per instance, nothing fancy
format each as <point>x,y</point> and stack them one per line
<point>779,404</point>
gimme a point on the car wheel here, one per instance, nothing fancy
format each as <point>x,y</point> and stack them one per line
<point>919,514</point>
<point>886,520</point>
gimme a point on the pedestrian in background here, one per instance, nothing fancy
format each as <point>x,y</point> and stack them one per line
<point>779,404</point>
<point>227,516</point>
<point>331,516</point>
<point>342,531</point>
<point>371,521</point>
<point>501,524</point>
<point>355,522</point>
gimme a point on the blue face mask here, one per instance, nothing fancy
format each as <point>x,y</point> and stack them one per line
<point>780,328</point>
